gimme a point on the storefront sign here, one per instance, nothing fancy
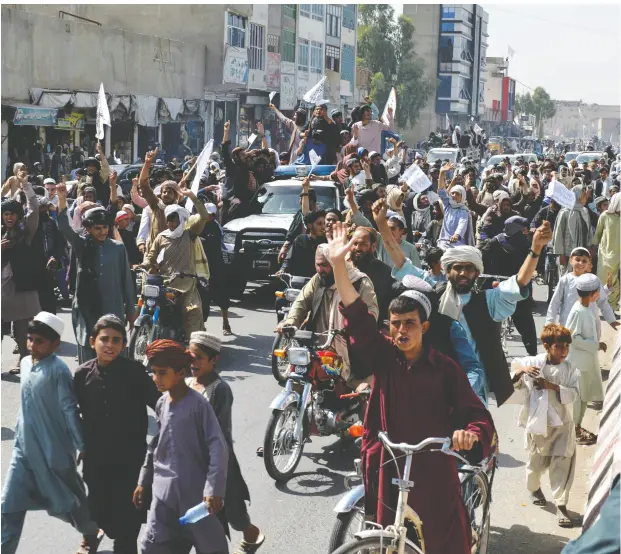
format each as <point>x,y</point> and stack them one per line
<point>235,66</point>
<point>33,115</point>
<point>71,122</point>
<point>272,71</point>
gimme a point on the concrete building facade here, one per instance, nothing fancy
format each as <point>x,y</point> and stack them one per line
<point>579,120</point>
<point>451,40</point>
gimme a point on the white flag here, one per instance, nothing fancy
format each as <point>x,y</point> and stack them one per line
<point>103,113</point>
<point>251,139</point>
<point>315,159</point>
<point>448,121</point>
<point>201,165</point>
<point>391,103</point>
<point>561,194</point>
<point>315,95</point>
<point>272,94</point>
<point>510,51</point>
<point>477,129</point>
<point>415,178</point>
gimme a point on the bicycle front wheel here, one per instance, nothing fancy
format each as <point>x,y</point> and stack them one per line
<point>373,545</point>
<point>475,494</point>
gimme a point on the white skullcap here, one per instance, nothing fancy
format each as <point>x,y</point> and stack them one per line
<point>420,298</point>
<point>416,283</point>
<point>500,195</point>
<point>89,213</point>
<point>588,282</point>
<point>129,207</point>
<point>464,254</point>
<point>52,321</point>
<point>49,181</point>
<point>206,339</point>
<point>211,208</point>
<point>580,251</point>
<point>394,215</point>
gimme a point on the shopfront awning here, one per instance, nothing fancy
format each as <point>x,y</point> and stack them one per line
<point>50,98</point>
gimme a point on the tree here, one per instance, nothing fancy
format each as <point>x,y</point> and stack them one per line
<point>386,48</point>
<point>539,104</point>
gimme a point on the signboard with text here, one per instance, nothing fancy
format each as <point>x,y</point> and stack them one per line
<point>34,115</point>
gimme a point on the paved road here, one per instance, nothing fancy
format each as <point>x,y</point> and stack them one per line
<point>298,515</point>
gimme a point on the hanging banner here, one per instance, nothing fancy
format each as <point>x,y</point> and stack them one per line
<point>201,165</point>
<point>33,115</point>
<point>391,103</point>
<point>315,95</point>
<point>103,114</point>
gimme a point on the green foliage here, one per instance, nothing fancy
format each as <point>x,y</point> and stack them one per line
<point>539,104</point>
<point>386,48</point>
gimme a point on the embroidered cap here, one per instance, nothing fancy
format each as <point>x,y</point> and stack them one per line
<point>52,321</point>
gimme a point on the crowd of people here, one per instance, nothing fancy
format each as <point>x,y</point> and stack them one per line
<point>399,270</point>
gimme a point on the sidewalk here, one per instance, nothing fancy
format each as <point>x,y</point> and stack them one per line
<point>585,454</point>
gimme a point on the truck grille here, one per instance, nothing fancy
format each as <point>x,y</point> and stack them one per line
<point>263,241</point>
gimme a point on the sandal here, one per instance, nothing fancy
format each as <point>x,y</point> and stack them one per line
<point>226,330</point>
<point>260,452</point>
<point>250,547</point>
<point>15,371</point>
<point>562,517</point>
<point>586,438</point>
<point>537,498</point>
<point>90,544</point>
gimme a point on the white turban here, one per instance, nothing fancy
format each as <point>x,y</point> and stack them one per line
<point>461,190</point>
<point>183,217</point>
<point>500,195</point>
<point>450,304</point>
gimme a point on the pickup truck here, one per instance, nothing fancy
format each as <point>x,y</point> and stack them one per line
<point>251,244</point>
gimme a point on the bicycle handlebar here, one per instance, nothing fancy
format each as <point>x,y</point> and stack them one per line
<point>412,448</point>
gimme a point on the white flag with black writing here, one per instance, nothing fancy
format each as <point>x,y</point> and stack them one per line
<point>201,165</point>
<point>103,113</point>
<point>315,95</point>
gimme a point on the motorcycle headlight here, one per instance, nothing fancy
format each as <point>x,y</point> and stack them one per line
<point>291,295</point>
<point>229,237</point>
<point>151,291</point>
<point>298,356</point>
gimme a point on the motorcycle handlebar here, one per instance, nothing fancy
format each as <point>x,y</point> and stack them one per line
<point>355,394</point>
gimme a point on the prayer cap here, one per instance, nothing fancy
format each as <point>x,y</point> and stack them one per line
<point>206,339</point>
<point>394,215</point>
<point>600,199</point>
<point>211,208</point>
<point>49,181</point>
<point>588,282</point>
<point>121,215</point>
<point>416,283</point>
<point>420,298</point>
<point>129,207</point>
<point>580,251</point>
<point>373,154</point>
<point>52,321</point>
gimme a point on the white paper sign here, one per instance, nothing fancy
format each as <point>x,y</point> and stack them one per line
<point>251,140</point>
<point>415,178</point>
<point>315,94</point>
<point>103,113</point>
<point>201,165</point>
<point>160,256</point>
<point>391,103</point>
<point>561,194</point>
<point>272,94</point>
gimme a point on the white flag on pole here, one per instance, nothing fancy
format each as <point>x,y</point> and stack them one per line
<point>448,121</point>
<point>415,178</point>
<point>201,166</point>
<point>315,95</point>
<point>315,159</point>
<point>391,103</point>
<point>272,94</point>
<point>510,51</point>
<point>561,194</point>
<point>103,113</point>
<point>251,139</point>
<point>477,129</point>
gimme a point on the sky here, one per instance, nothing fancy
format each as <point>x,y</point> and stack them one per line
<point>555,44</point>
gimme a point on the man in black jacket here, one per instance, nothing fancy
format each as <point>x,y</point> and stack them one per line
<point>239,183</point>
<point>300,260</point>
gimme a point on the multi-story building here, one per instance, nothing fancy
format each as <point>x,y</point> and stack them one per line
<point>579,120</point>
<point>499,96</point>
<point>451,40</point>
<point>174,73</point>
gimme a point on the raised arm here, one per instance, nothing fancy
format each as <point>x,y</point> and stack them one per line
<point>64,225</point>
<point>541,237</point>
<point>135,197</point>
<point>196,228</point>
<point>288,123</point>
<point>390,244</point>
<point>143,180</point>
<point>104,172</point>
<point>305,198</point>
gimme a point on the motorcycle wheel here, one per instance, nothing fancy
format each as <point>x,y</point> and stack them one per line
<point>346,526</point>
<point>281,452</point>
<point>280,366</point>
<point>138,342</point>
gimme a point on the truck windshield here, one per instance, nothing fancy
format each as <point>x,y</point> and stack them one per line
<point>283,199</point>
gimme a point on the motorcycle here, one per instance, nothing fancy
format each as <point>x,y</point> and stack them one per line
<point>294,284</point>
<point>161,315</point>
<point>310,403</point>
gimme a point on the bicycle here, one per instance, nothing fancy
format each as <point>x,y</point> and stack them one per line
<point>392,539</point>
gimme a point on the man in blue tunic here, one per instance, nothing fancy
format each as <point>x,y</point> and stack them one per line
<point>43,473</point>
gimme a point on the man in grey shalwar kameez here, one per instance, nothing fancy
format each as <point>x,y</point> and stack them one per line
<point>43,474</point>
<point>186,463</point>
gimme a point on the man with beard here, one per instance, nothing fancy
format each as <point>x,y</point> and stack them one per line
<point>364,247</point>
<point>494,219</point>
<point>479,312</point>
<point>318,300</point>
<point>294,126</point>
<point>97,174</point>
<point>337,117</point>
<point>503,255</point>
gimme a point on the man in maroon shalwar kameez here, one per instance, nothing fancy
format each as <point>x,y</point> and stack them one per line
<point>417,393</point>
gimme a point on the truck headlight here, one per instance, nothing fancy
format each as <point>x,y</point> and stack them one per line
<point>229,237</point>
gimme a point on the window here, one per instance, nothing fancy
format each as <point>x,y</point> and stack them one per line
<point>236,32</point>
<point>302,54</point>
<point>447,27</point>
<point>288,46</point>
<point>317,11</point>
<point>347,64</point>
<point>273,44</point>
<point>333,58</point>
<point>333,21</point>
<point>444,88</point>
<point>257,52</point>
<point>316,57</point>
<point>448,13</point>
<point>446,49</point>
<point>349,16</point>
<point>288,10</point>
<point>305,10</point>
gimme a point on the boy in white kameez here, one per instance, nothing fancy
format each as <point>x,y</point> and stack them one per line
<point>585,333</point>
<point>552,386</point>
